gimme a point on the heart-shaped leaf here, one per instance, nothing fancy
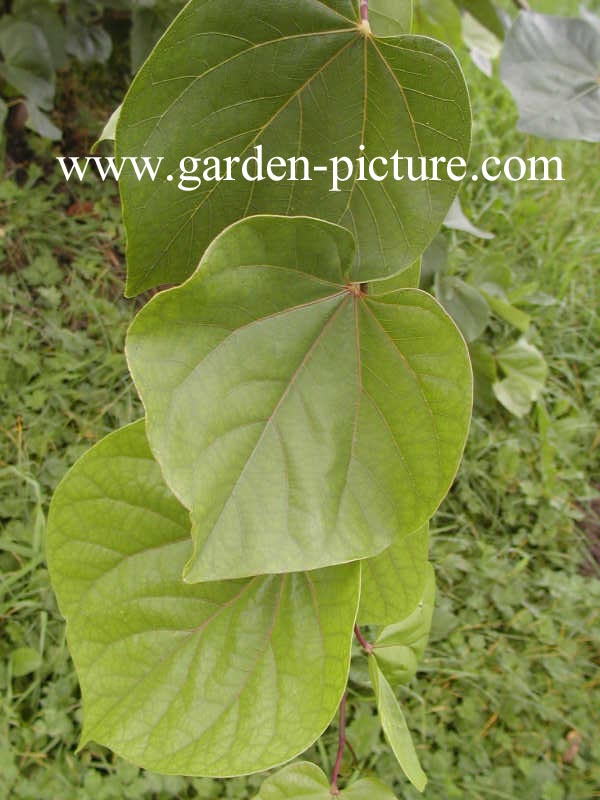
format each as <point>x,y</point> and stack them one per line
<point>393,583</point>
<point>215,679</point>
<point>306,781</point>
<point>303,422</point>
<point>552,67</point>
<point>395,728</point>
<point>400,647</point>
<point>300,79</point>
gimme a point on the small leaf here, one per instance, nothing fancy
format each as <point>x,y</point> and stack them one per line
<point>393,583</point>
<point>399,647</point>
<point>216,679</point>
<point>24,660</point>
<point>333,89</point>
<point>458,220</point>
<point>465,304</point>
<point>552,67</point>
<point>109,130</point>
<point>395,728</point>
<point>484,46</point>
<point>303,422</point>
<point>526,371</point>
<point>306,781</point>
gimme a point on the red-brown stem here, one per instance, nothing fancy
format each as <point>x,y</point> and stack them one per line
<point>364,10</point>
<point>341,746</point>
<point>368,648</point>
<point>522,4</point>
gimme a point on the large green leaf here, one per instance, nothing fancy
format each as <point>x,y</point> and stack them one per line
<point>552,67</point>
<point>393,582</point>
<point>306,781</point>
<point>298,78</point>
<point>303,422</point>
<point>395,728</point>
<point>215,679</point>
<point>400,647</point>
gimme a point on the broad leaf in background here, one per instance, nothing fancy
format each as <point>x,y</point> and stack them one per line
<point>216,679</point>
<point>89,43</point>
<point>465,304</point>
<point>439,19</point>
<point>526,372</point>
<point>393,583</point>
<point>334,89</point>
<point>457,220</point>
<point>301,421</point>
<point>28,67</point>
<point>486,13</point>
<point>552,67</point>
<point>400,647</point>
<point>306,781</point>
<point>395,728</point>
<point>49,21</point>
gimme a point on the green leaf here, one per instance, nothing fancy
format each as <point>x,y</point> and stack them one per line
<point>27,64</point>
<point>465,304</point>
<point>49,22</point>
<point>88,43</point>
<point>306,781</point>
<point>109,130</point>
<point>333,89</point>
<point>526,371</point>
<point>24,660</point>
<point>552,67</point>
<point>390,17</point>
<point>393,582</point>
<point>438,18</point>
<point>457,220</point>
<point>486,13</point>
<point>301,421</point>
<point>400,647</point>
<point>395,728</point>
<point>215,679</point>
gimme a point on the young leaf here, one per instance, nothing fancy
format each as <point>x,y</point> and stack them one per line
<point>333,88</point>
<point>301,421</point>
<point>215,679</point>
<point>551,65</point>
<point>306,781</point>
<point>395,728</point>
<point>393,583</point>
<point>399,647</point>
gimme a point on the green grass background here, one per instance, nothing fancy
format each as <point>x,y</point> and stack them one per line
<point>507,702</point>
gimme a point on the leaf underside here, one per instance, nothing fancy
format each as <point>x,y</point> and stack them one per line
<point>552,67</point>
<point>302,422</point>
<point>215,679</point>
<point>299,78</point>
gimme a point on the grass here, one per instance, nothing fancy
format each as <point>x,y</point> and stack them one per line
<point>506,703</point>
